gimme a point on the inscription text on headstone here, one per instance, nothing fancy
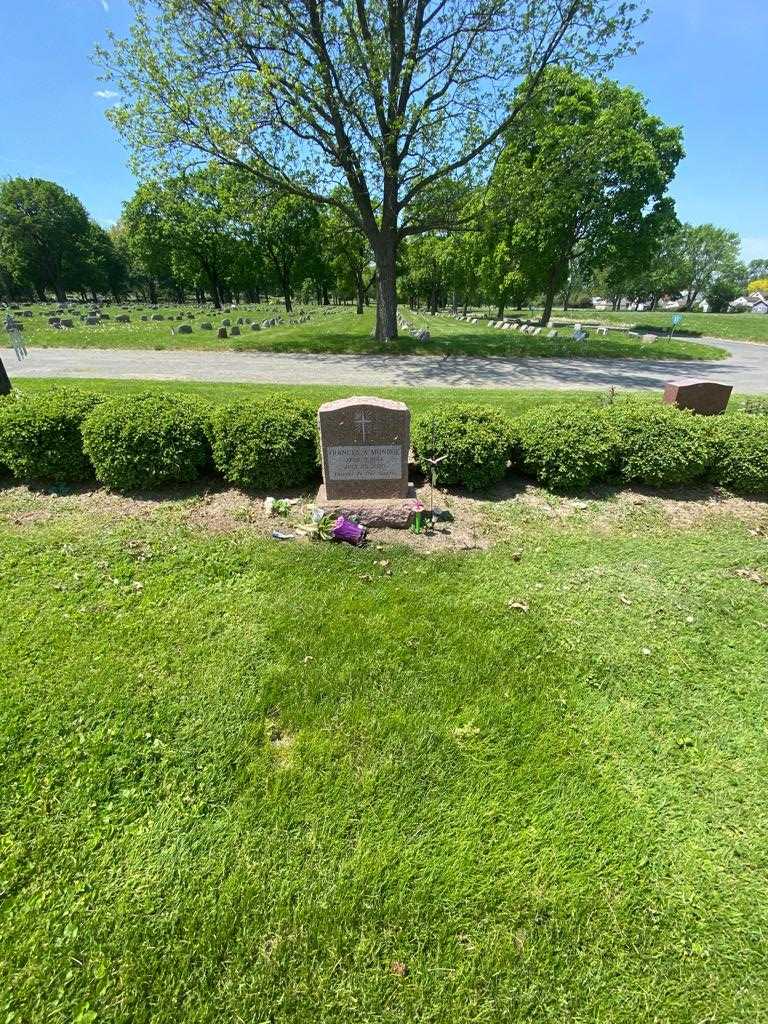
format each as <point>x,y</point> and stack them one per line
<point>365,462</point>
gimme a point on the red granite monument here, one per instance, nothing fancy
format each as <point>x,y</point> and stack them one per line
<point>706,397</point>
<point>365,444</point>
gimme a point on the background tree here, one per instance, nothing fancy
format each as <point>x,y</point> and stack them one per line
<point>386,97</point>
<point>105,270</point>
<point>578,177</point>
<point>289,234</point>
<point>758,284</point>
<point>721,294</point>
<point>44,234</point>
<point>350,255</point>
<point>757,269</point>
<point>182,226</point>
<point>706,254</point>
<point>640,265</point>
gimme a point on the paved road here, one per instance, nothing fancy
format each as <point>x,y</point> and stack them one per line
<point>746,370</point>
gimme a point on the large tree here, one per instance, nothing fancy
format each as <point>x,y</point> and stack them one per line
<point>183,221</point>
<point>44,234</point>
<point>582,172</point>
<point>386,97</point>
<point>707,253</point>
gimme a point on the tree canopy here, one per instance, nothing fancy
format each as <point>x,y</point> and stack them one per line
<point>583,176</point>
<point>48,242</point>
<point>390,99</point>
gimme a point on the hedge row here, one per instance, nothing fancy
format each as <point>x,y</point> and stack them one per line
<point>147,440</point>
<point>141,441</point>
<point>570,447</point>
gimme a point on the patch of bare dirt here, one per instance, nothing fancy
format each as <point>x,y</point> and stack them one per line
<point>475,523</point>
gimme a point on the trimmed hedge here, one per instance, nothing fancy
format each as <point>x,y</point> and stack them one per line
<point>740,455</point>
<point>5,403</point>
<point>660,445</point>
<point>148,440</point>
<point>41,435</point>
<point>475,438</point>
<point>566,447</point>
<point>267,444</point>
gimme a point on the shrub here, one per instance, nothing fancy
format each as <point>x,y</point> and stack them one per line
<point>475,439</point>
<point>566,447</point>
<point>41,435</point>
<point>266,444</point>
<point>661,445</point>
<point>148,440</point>
<point>740,459</point>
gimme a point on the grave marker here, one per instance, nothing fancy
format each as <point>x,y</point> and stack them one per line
<point>365,444</point>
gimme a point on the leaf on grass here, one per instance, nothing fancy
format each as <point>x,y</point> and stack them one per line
<point>518,606</point>
<point>399,968</point>
<point>753,576</point>
<point>624,599</point>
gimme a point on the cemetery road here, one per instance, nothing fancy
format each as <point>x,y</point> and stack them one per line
<point>746,369</point>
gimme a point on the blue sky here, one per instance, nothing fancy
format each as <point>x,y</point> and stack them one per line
<point>702,65</point>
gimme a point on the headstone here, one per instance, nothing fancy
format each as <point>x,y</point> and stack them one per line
<point>707,397</point>
<point>255,326</point>
<point>234,331</point>
<point>122,319</point>
<point>206,326</point>
<point>365,443</point>
<point>184,329</point>
<point>222,333</point>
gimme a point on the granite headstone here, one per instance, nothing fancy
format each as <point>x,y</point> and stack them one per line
<point>365,444</point>
<point>706,397</point>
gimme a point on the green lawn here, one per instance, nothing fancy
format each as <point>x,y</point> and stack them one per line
<point>247,782</point>
<point>732,326</point>
<point>342,331</point>
<point>512,401</point>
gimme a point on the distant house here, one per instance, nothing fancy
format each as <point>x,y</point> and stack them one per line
<point>756,302</point>
<point>598,303</point>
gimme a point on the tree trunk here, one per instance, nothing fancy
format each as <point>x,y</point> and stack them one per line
<point>359,291</point>
<point>386,299</point>
<point>549,296</point>
<point>5,384</point>
<point>501,309</point>
<point>152,291</point>
<point>566,300</point>
<point>287,295</point>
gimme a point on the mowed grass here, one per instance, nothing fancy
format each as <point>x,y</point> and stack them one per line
<point>343,331</point>
<point>512,401</point>
<point>731,326</point>
<point>248,781</point>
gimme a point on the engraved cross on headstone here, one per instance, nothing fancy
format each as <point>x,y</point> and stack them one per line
<point>362,421</point>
